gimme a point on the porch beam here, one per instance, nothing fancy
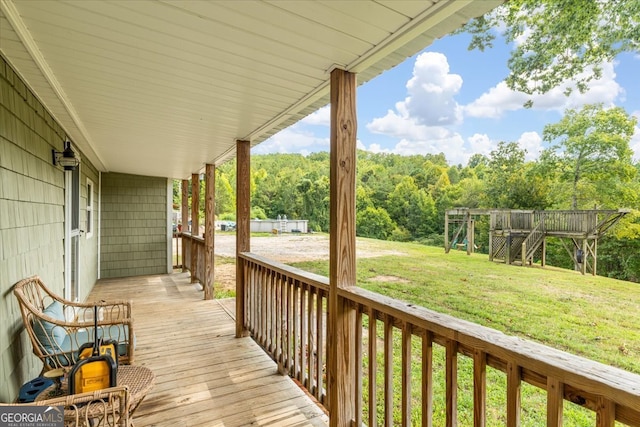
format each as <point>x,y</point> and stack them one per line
<point>184,211</point>
<point>243,228</point>
<point>195,209</point>
<point>209,229</point>
<point>342,248</point>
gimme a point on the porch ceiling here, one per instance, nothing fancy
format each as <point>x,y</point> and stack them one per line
<point>162,87</point>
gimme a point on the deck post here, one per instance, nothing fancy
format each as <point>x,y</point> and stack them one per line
<point>446,232</point>
<point>243,228</point>
<point>195,208</point>
<point>342,249</point>
<point>184,211</point>
<point>209,229</point>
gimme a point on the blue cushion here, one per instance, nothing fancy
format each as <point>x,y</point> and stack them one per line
<point>71,344</point>
<point>48,334</point>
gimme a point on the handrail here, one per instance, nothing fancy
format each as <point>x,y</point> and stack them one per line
<point>286,312</point>
<point>194,246</point>
<point>531,243</point>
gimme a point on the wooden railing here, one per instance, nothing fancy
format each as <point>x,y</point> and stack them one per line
<point>194,246</point>
<point>568,221</point>
<point>512,220</point>
<point>401,350</point>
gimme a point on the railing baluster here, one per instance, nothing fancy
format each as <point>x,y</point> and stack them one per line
<point>388,370</point>
<point>427,379</point>
<point>514,376</point>
<point>320,335</point>
<point>358,366</point>
<point>289,326</point>
<point>263,306</point>
<point>304,344</point>
<point>605,412</point>
<point>277,356</point>
<point>406,374</point>
<point>270,304</point>
<point>311,320</point>
<point>296,330</point>
<point>373,367</point>
<point>479,388</point>
<point>451,379</point>
<point>555,401</point>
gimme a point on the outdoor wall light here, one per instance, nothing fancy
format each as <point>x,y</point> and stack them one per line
<point>67,158</point>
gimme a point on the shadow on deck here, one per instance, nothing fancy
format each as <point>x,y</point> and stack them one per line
<point>204,375</point>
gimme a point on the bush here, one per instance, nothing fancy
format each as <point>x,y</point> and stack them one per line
<point>375,223</point>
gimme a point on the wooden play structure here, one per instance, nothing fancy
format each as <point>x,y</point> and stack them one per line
<point>519,236</point>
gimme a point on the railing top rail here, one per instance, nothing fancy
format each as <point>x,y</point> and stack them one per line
<point>188,235</point>
<point>286,270</point>
<point>619,385</point>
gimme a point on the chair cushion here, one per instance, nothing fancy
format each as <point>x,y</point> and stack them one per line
<point>47,333</point>
<point>68,351</point>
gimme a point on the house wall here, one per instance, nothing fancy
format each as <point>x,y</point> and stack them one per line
<point>135,225</point>
<point>32,220</point>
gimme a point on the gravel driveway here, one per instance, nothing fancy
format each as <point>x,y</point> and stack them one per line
<point>285,248</point>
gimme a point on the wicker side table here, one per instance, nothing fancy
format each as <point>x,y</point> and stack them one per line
<point>138,379</point>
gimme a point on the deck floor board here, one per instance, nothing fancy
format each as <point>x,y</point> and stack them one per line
<point>204,375</point>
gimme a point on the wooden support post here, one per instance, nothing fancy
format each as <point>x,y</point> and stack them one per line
<point>469,235</point>
<point>195,226</point>
<point>342,248</point>
<point>243,228</point>
<point>184,211</point>
<point>585,257</point>
<point>595,256</point>
<point>209,229</point>
<point>446,233</point>
<point>491,250</point>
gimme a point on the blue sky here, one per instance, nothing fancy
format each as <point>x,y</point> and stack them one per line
<point>451,100</point>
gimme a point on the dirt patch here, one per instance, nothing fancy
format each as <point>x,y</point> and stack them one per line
<point>286,248</point>
<point>394,279</point>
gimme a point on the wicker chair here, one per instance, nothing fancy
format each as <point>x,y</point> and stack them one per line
<point>57,327</point>
<point>108,407</point>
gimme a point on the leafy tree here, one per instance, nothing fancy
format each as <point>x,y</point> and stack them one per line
<point>506,167</point>
<point>559,40</point>
<point>225,195</point>
<point>591,147</point>
<point>412,208</point>
<point>375,223</point>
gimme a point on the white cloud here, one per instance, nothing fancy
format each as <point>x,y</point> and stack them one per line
<point>420,139</point>
<point>321,117</point>
<point>418,121</point>
<point>635,140</point>
<point>500,99</point>
<point>431,91</point>
<point>293,140</point>
<point>481,144</point>
<point>532,142</point>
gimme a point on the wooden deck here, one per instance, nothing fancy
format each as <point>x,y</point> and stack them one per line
<point>204,375</point>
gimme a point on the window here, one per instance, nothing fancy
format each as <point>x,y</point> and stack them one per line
<point>89,225</point>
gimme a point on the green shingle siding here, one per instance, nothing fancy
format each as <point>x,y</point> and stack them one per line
<point>31,220</point>
<point>134,225</point>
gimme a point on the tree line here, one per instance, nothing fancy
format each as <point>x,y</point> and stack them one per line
<point>587,164</point>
